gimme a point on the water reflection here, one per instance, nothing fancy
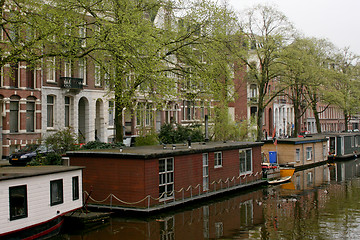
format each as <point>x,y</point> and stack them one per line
<point>319,203</point>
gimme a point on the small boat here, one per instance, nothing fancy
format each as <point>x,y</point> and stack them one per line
<point>286,171</point>
<point>280,180</point>
<point>270,171</point>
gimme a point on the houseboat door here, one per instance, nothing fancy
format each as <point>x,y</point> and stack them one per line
<point>332,146</point>
<point>205,171</point>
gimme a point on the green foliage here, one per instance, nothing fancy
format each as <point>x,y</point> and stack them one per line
<point>148,139</point>
<point>100,145</point>
<point>225,129</point>
<point>48,159</point>
<point>178,134</point>
<point>62,141</point>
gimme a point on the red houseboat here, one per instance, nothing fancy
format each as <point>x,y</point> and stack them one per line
<point>155,177</point>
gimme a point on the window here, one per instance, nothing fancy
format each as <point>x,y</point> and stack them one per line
<point>50,111</point>
<point>253,91</point>
<point>140,114</point>
<point>14,116</point>
<point>149,115</point>
<point>18,202</point>
<point>97,75</point>
<point>30,116</point>
<point>352,139</point>
<point>245,161</point>
<point>166,178</point>
<point>82,35</point>
<point>67,111</point>
<point>187,110</point>
<point>82,69</point>
<point>56,192</point>
<point>50,73</point>
<point>297,155</point>
<point>308,153</point>
<point>75,188</point>
<point>67,68</point>
<point>14,75</point>
<point>205,171</point>
<point>30,77</point>
<point>218,159</point>
<point>111,113</point>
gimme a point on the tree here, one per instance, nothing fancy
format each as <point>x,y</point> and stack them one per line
<point>33,30</point>
<point>345,85</point>
<point>267,31</point>
<point>305,76</point>
<point>145,51</point>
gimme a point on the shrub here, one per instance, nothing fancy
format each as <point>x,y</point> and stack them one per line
<point>62,141</point>
<point>148,139</point>
<point>100,145</point>
<point>169,134</point>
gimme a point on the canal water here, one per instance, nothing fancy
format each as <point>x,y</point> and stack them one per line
<point>318,203</point>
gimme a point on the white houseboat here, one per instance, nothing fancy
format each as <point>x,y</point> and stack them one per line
<point>33,200</point>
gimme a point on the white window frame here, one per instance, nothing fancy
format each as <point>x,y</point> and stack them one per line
<point>149,115</point>
<point>53,112</point>
<point>309,153</point>
<point>166,179</point>
<point>205,160</point>
<point>67,111</point>
<point>97,75</point>
<point>82,70</point>
<point>297,155</point>
<point>17,112</point>
<point>246,171</point>
<point>33,115</point>
<point>67,68</point>
<point>218,159</point>
<point>82,35</point>
<point>50,69</point>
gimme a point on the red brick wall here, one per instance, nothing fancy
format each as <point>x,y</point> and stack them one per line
<point>122,177</point>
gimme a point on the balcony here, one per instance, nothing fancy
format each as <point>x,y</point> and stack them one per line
<point>71,83</point>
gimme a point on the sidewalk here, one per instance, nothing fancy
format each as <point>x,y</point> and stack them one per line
<point>4,162</point>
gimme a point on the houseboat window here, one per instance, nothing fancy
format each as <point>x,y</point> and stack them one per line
<point>56,192</point>
<point>218,159</point>
<point>297,155</point>
<point>166,178</point>
<point>352,141</point>
<point>75,187</point>
<point>18,202</point>
<point>245,161</point>
<point>308,153</point>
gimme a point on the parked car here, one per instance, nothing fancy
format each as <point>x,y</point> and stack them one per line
<point>28,153</point>
<point>129,141</point>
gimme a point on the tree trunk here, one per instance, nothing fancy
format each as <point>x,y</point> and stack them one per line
<point>259,121</point>
<point>296,118</point>
<point>346,118</point>
<point>119,128</point>
<point>317,119</point>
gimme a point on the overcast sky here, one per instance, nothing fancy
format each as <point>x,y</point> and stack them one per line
<point>335,20</point>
